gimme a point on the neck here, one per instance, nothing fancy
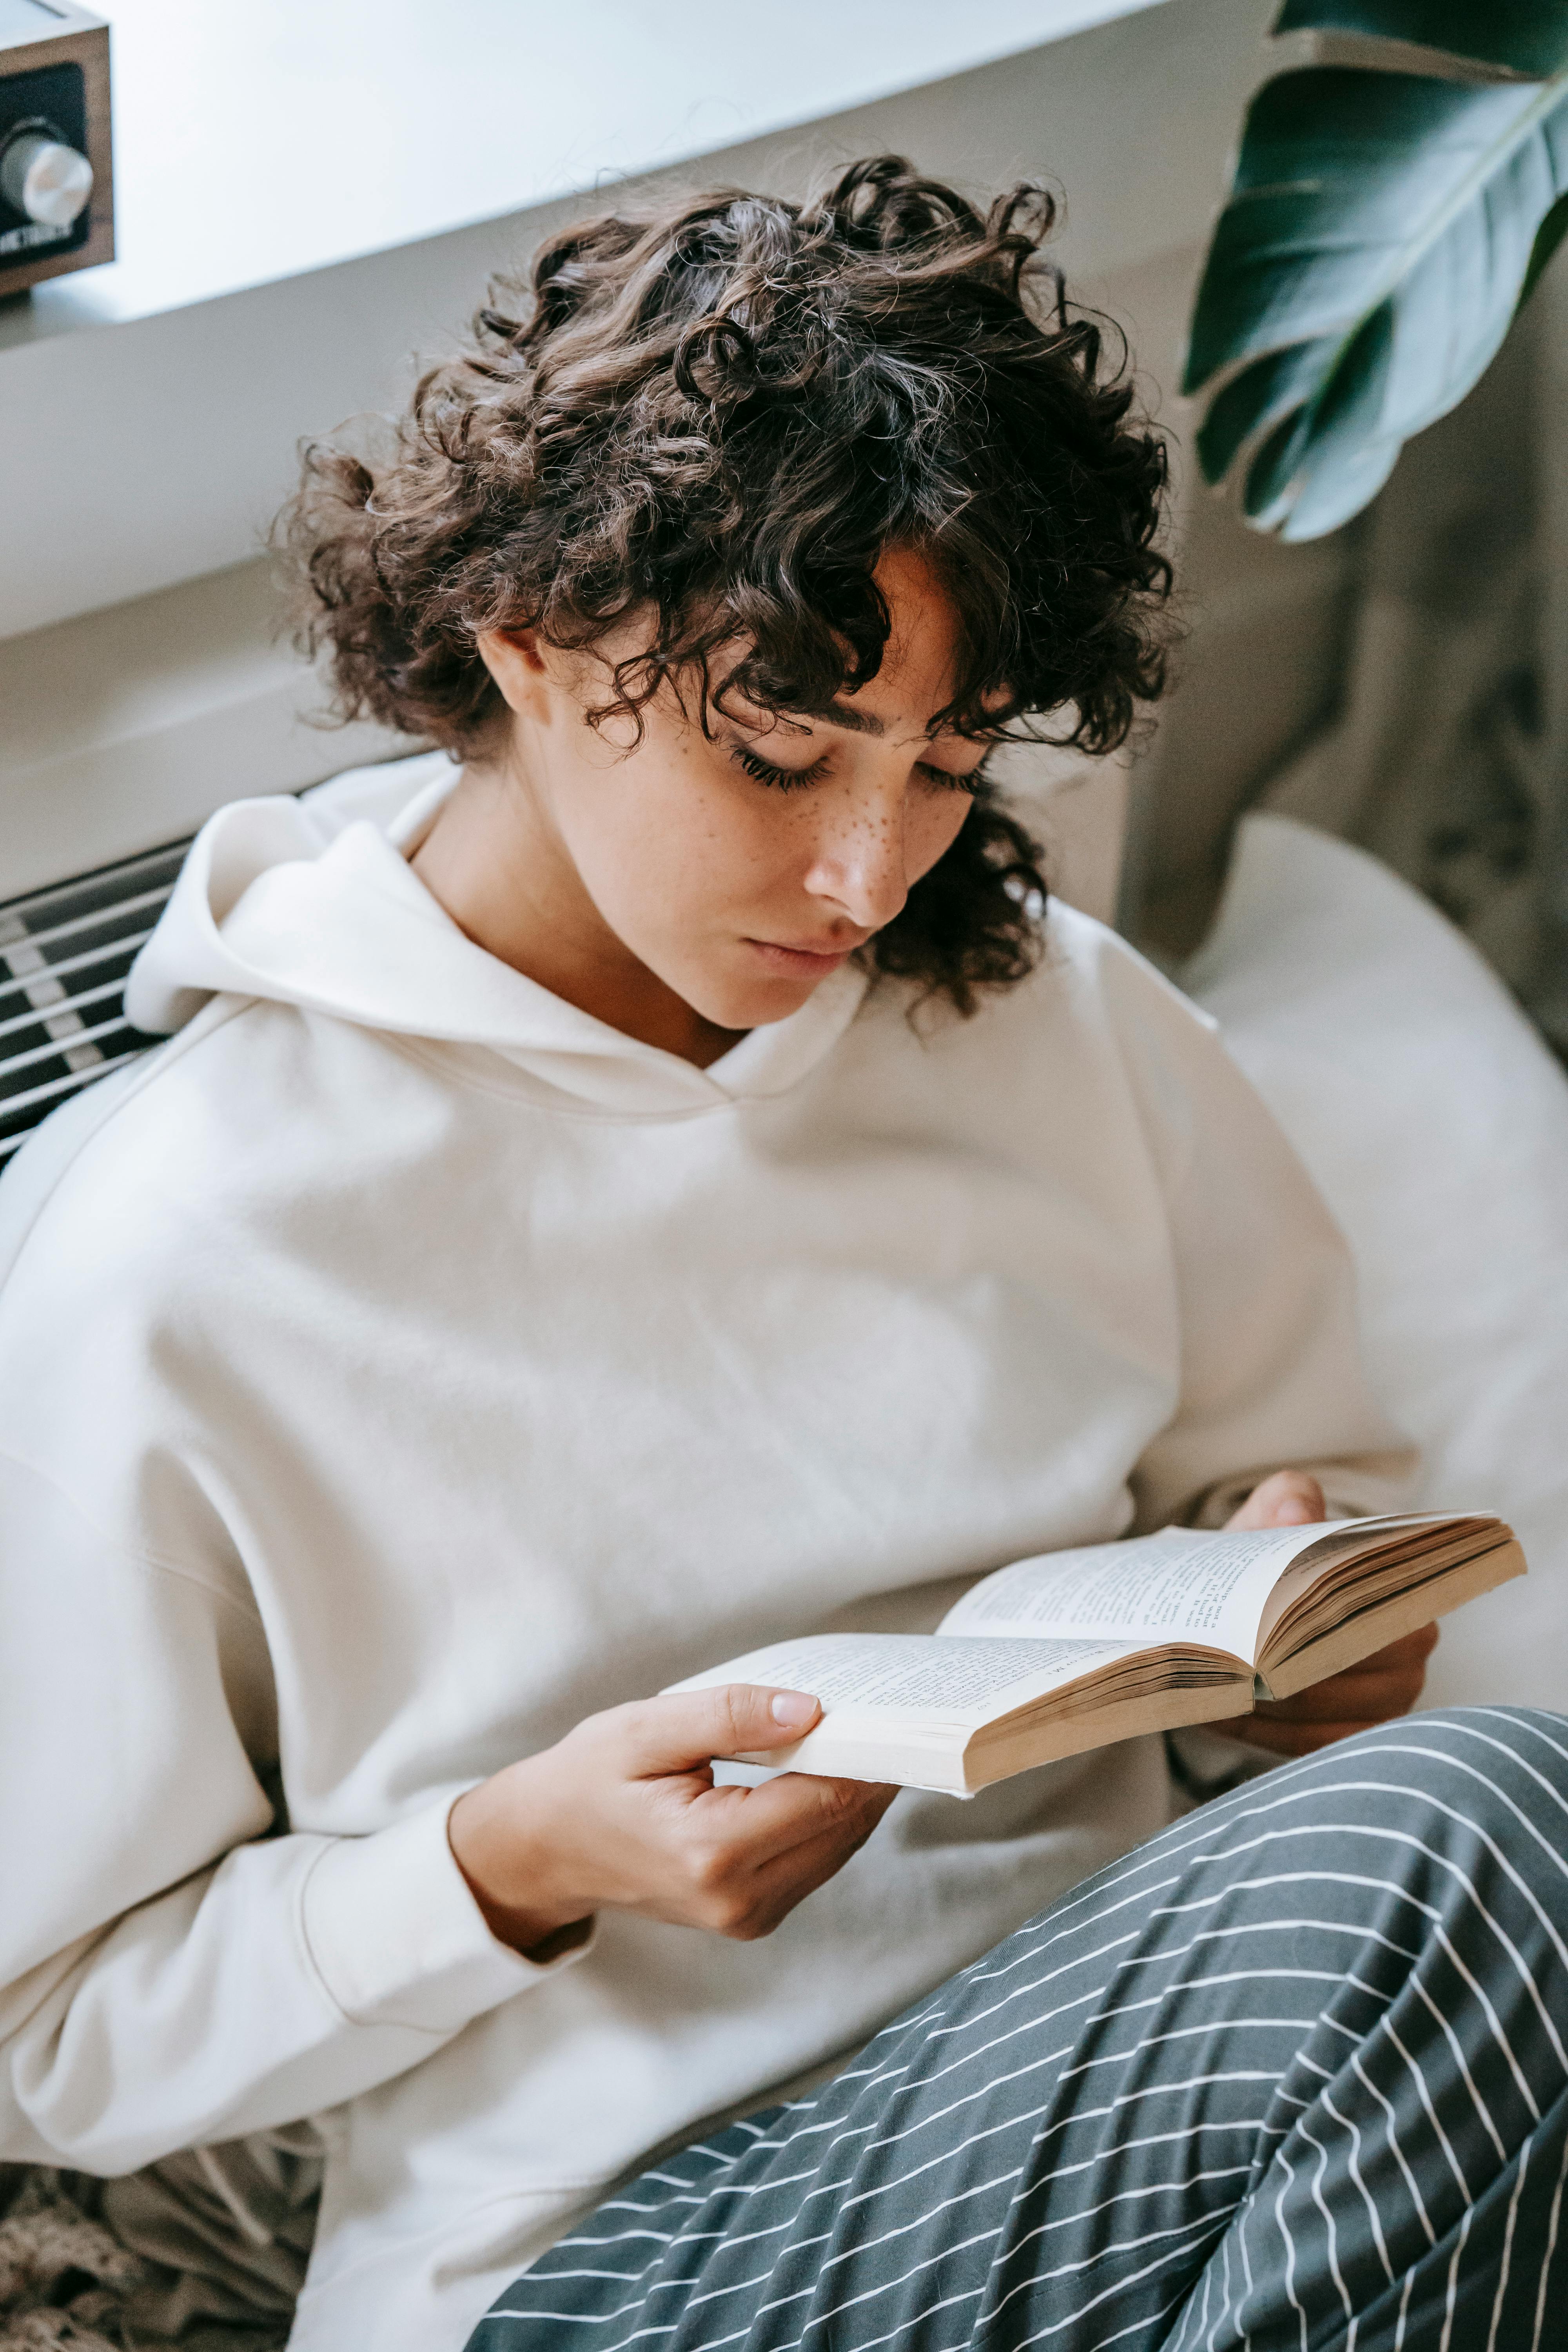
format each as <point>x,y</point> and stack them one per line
<point>496,864</point>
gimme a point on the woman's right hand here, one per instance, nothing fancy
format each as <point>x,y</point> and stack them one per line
<point>623,1814</point>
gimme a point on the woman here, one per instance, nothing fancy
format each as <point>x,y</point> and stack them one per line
<point>675,1187</point>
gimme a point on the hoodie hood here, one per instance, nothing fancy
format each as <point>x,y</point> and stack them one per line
<point>313,903</point>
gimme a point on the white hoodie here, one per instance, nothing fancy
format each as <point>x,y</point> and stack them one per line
<point>401,1365</point>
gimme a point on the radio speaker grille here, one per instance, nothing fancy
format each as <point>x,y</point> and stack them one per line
<point>65,953</point>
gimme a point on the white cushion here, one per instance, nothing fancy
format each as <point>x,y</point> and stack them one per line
<point>1436,1124</point>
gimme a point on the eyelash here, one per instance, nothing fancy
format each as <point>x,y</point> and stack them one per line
<point>783,779</point>
<point>786,780</point>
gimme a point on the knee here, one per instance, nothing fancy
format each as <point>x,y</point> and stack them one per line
<point>1528,1738</point>
<point>1503,1770</point>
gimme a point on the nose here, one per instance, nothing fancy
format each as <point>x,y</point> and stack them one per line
<point>860,866</point>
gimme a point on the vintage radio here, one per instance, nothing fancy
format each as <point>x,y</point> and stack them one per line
<point>56,200</point>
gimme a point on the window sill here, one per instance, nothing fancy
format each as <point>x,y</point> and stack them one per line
<point>254,145</point>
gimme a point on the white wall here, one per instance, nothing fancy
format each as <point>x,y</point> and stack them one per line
<point>171,439</point>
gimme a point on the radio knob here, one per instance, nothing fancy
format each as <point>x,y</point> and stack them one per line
<point>44,179</point>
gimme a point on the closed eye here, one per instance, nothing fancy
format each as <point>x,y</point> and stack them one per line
<point>786,780</point>
<point>783,779</point>
<point>953,780</point>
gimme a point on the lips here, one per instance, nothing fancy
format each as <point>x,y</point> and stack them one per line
<point>812,948</point>
<point>801,957</point>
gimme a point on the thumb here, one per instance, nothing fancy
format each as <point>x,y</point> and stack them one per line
<point>1290,1498</point>
<point>686,1729</point>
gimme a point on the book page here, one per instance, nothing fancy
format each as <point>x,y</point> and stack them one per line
<point>1183,1584</point>
<point>1338,1581</point>
<point>961,1682</point>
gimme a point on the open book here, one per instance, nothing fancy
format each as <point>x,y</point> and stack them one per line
<point>1075,1649</point>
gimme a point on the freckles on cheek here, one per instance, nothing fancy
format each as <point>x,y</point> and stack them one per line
<point>934,836</point>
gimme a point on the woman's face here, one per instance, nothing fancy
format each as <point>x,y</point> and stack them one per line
<point>731,873</point>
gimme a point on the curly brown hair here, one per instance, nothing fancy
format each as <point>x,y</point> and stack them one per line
<point>718,413</point>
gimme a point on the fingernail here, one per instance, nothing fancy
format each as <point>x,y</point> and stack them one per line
<point>793,1707</point>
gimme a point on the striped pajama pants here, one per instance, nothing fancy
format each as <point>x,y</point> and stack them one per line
<point>1292,2074</point>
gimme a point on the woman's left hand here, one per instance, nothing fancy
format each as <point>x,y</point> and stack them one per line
<point>1387,1683</point>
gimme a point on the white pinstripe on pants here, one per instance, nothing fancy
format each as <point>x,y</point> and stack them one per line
<point>1295,2073</point>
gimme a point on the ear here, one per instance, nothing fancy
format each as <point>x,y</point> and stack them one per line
<point>514,659</point>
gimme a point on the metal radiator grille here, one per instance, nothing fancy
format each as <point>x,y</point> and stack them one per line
<point>64,956</point>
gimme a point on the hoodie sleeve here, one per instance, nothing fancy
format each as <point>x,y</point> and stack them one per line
<point>172,1971</point>
<point>1262,1289</point>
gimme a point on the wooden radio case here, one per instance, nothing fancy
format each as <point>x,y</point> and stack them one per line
<point>56,173</point>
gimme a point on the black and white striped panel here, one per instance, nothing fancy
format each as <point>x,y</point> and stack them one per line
<point>65,953</point>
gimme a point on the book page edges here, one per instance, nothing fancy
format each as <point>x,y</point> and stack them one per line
<point>1307,1583</point>
<point>1374,1628</point>
<point>964,1763</point>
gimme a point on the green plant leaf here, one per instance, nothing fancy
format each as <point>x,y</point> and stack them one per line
<point>1276,460</point>
<point>1526,36</point>
<point>1329,429</point>
<point>1379,233</point>
<point>1548,238</point>
<point>1250,403</point>
<point>1328,497</point>
<point>1330,459</point>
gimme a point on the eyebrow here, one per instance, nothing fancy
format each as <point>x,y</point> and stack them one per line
<point>859,722</point>
<point>855,722</point>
